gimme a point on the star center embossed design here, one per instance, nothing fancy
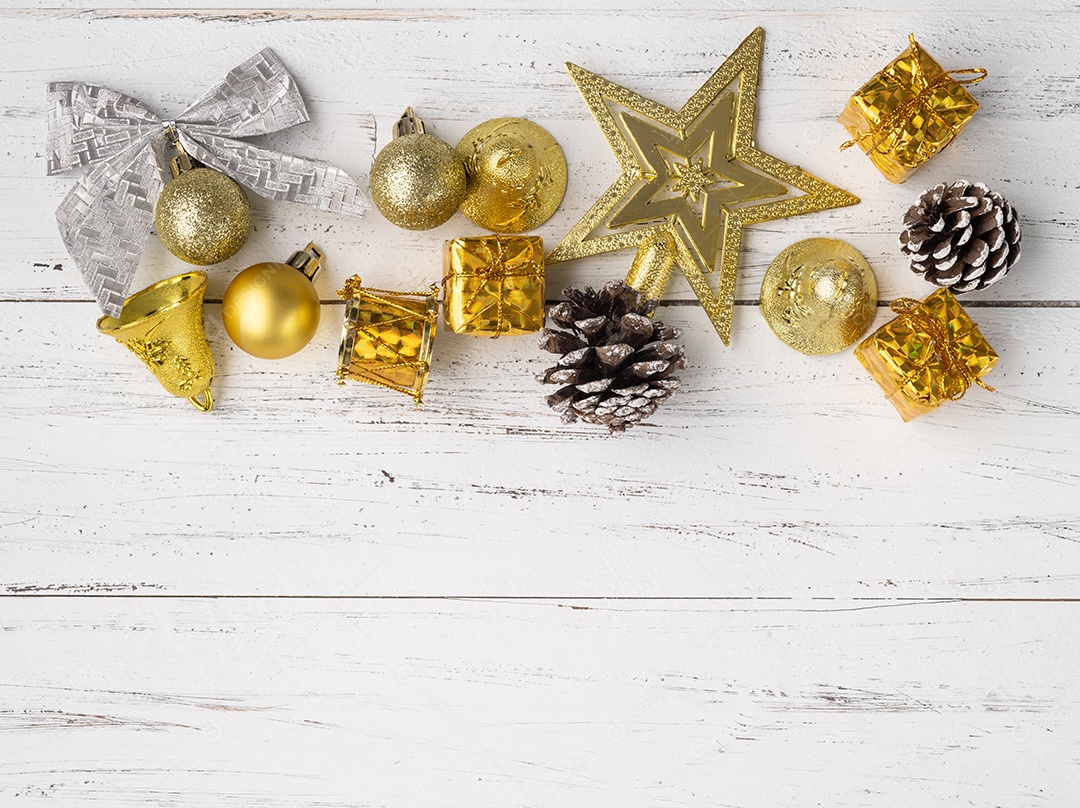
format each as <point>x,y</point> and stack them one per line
<point>695,173</point>
<point>692,179</point>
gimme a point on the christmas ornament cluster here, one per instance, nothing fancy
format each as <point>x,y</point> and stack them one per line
<point>692,179</point>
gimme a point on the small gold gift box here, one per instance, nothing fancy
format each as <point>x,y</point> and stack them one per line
<point>387,337</point>
<point>494,285</point>
<point>909,112</point>
<point>931,353</point>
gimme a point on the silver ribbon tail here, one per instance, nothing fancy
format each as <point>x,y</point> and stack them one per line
<point>107,217</point>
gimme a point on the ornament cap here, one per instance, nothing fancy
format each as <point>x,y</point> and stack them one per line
<point>652,267</point>
<point>307,260</point>
<point>409,124</point>
<point>181,161</point>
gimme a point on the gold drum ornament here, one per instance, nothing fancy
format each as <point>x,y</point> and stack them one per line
<point>163,326</point>
<point>387,337</point>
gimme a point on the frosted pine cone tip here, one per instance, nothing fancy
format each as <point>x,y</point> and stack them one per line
<point>962,236</point>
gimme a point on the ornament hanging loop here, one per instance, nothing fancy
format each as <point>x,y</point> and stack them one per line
<point>206,404</point>
<point>409,124</point>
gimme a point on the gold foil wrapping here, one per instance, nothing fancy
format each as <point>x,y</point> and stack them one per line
<point>494,285</point>
<point>387,337</point>
<point>931,353</point>
<point>909,111</point>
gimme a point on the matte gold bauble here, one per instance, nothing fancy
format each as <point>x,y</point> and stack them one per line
<point>819,296</point>
<point>203,216</point>
<point>271,310</point>
<point>417,180</point>
<point>515,173</point>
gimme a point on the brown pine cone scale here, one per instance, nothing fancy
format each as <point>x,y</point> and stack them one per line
<point>616,364</point>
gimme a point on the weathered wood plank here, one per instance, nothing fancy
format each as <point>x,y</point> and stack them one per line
<point>275,703</point>
<point>770,474</point>
<point>888,609</point>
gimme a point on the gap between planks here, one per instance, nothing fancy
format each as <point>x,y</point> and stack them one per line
<point>871,602</point>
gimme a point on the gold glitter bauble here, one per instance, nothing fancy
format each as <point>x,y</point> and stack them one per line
<point>271,310</point>
<point>515,173</point>
<point>202,216</point>
<point>417,181</point>
<point>819,296</point>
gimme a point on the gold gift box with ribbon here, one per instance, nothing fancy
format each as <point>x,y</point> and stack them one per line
<point>910,111</point>
<point>931,353</point>
<point>494,285</point>
<point>387,337</point>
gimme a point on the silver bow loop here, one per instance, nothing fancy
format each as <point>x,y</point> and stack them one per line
<point>255,98</point>
<point>88,123</point>
<point>281,177</point>
<point>107,217</point>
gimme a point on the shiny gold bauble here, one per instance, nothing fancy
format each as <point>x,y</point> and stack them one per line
<point>819,296</point>
<point>202,216</point>
<point>516,175</point>
<point>417,181</point>
<point>271,310</point>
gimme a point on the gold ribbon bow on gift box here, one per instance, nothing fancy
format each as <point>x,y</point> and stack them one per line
<point>494,285</point>
<point>884,115</point>
<point>931,353</point>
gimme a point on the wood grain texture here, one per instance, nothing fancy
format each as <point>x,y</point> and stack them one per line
<point>789,477</point>
<point>775,593</point>
<point>328,704</point>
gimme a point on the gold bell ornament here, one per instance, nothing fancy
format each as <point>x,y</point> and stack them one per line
<point>819,296</point>
<point>163,326</point>
<point>417,180</point>
<point>202,216</point>
<point>271,310</point>
<point>515,175</point>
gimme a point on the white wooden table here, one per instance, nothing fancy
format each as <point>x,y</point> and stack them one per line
<point>775,593</point>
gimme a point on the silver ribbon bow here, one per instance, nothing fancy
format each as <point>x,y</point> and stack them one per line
<point>108,215</point>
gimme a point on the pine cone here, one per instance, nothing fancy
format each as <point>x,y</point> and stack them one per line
<point>616,364</point>
<point>961,236</point>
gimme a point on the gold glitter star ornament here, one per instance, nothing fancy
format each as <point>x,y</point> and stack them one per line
<point>694,173</point>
